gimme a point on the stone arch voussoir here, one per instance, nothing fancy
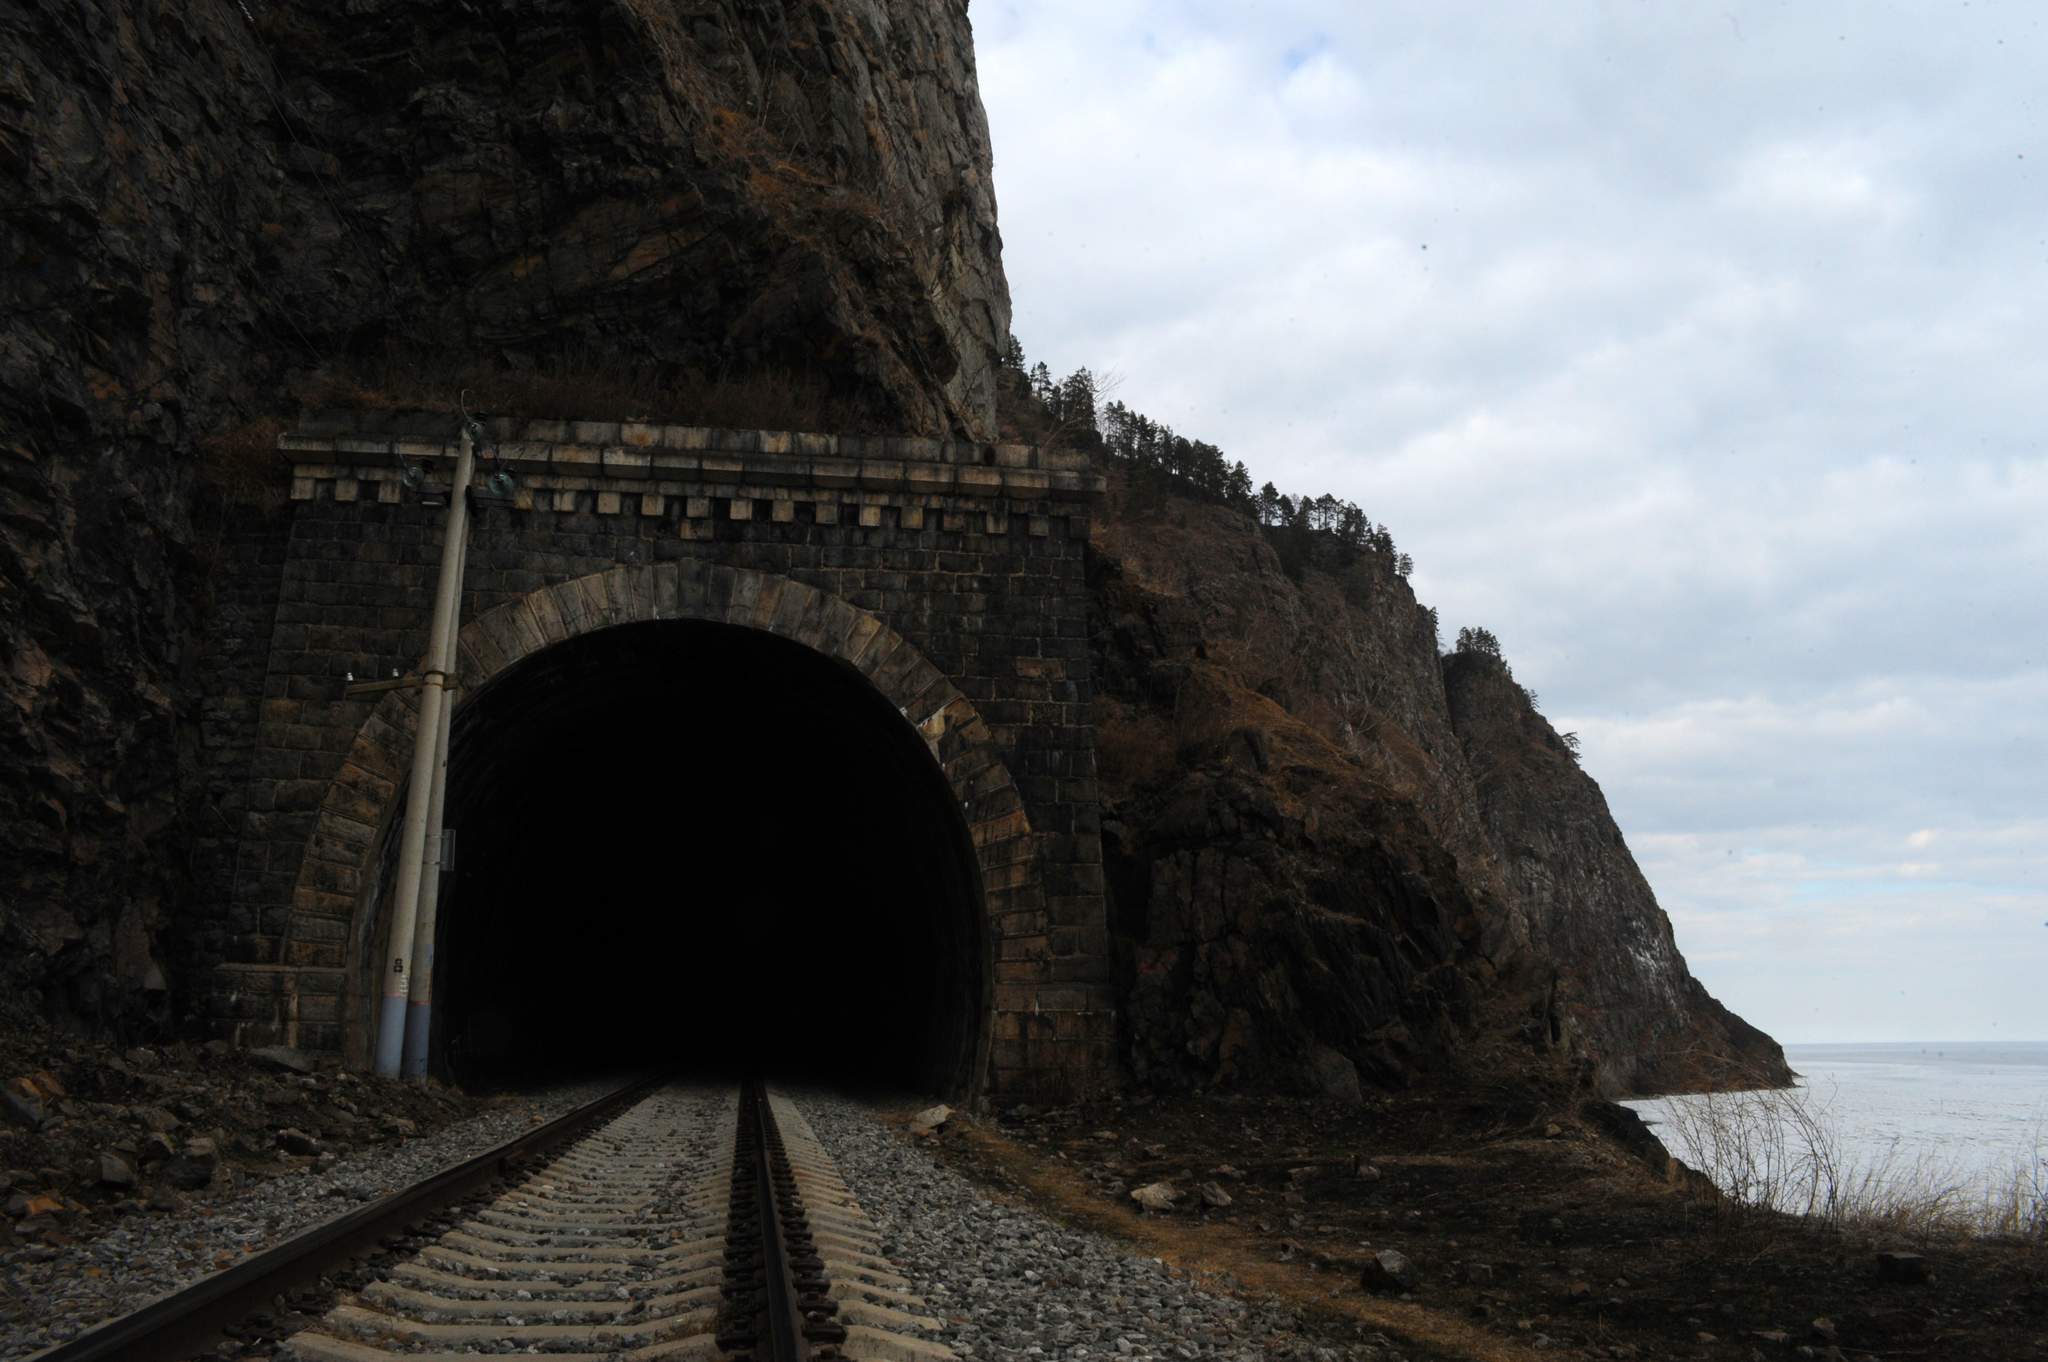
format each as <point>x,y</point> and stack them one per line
<point>331,898</point>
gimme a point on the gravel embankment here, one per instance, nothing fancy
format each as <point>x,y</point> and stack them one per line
<point>59,1291</point>
<point>1015,1286</point>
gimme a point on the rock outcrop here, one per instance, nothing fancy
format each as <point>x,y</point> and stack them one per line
<point>207,204</point>
<point>203,197</point>
<point>1334,855</point>
<point>1620,984</point>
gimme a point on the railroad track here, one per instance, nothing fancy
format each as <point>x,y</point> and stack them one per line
<point>663,1222</point>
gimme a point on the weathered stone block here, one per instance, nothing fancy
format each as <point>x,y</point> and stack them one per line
<point>308,901</point>
<point>626,461</point>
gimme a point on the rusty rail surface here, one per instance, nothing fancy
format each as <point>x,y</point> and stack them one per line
<point>190,1321</point>
<point>777,1304</point>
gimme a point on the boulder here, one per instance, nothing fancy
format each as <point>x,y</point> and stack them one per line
<point>1336,1077</point>
<point>1388,1270</point>
<point>29,1205</point>
<point>293,1141</point>
<point>1214,1195</point>
<point>1156,1196</point>
<point>194,1167</point>
<point>17,1110</point>
<point>930,1119</point>
<point>156,1119</point>
<point>114,1171</point>
<point>281,1059</point>
<point>157,1148</point>
<point>1901,1267</point>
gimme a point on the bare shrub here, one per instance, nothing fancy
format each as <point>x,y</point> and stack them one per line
<point>1770,1149</point>
<point>1781,1150</point>
<point>2016,1206</point>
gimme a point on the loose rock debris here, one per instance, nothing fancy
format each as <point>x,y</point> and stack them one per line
<point>1007,1284</point>
<point>1513,1239</point>
<point>79,1251</point>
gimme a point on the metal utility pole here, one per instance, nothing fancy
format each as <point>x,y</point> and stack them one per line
<point>419,1009</point>
<point>405,897</point>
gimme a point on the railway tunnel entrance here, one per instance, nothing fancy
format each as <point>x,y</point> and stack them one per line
<point>698,843</point>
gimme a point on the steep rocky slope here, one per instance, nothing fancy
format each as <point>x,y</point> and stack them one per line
<point>1620,981</point>
<point>204,205</point>
<point>1333,855</point>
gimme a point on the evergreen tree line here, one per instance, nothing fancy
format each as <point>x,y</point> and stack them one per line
<point>1159,459</point>
<point>1473,639</point>
<point>1324,531</point>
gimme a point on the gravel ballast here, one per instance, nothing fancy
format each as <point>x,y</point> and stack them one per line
<point>1015,1286</point>
<point>57,1292</point>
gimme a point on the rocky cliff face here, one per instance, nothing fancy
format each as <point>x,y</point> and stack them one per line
<point>203,196</point>
<point>1333,855</point>
<point>1620,984</point>
<point>201,204</point>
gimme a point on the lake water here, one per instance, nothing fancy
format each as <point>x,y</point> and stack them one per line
<point>1971,1107</point>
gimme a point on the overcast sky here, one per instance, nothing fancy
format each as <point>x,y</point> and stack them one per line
<point>1694,350</point>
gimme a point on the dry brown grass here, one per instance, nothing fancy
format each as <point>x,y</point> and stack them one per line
<point>1210,1249</point>
<point>2016,1206</point>
<point>243,470</point>
<point>1133,746</point>
<point>592,387</point>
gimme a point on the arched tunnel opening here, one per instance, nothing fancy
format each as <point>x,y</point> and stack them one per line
<point>693,844</point>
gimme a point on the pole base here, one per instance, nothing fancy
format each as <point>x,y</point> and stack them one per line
<point>390,1035</point>
<point>419,1020</point>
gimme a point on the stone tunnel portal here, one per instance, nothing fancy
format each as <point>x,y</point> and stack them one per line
<point>698,843</point>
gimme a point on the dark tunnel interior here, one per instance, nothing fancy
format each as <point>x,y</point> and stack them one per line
<point>695,844</point>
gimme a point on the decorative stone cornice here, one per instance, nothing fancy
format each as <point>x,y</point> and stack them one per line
<point>688,460</point>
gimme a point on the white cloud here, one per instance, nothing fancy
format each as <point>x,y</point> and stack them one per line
<point>1715,394</point>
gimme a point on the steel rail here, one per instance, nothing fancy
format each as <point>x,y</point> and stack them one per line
<point>785,1319</point>
<point>775,1280</point>
<point>187,1322</point>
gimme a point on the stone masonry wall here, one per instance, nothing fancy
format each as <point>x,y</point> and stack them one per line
<point>971,553</point>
